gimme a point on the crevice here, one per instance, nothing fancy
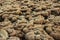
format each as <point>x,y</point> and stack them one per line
<point>12,21</point>
<point>23,38</point>
<point>53,12</point>
<point>1,19</point>
<point>45,17</point>
<point>46,30</point>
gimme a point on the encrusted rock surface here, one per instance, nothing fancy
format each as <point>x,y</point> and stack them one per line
<point>29,19</point>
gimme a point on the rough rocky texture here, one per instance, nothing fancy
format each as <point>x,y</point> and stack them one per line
<point>29,19</point>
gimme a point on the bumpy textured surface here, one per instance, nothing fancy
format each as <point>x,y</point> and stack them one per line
<point>29,19</point>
